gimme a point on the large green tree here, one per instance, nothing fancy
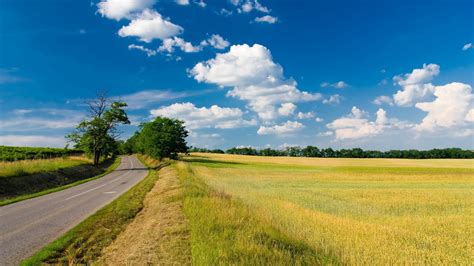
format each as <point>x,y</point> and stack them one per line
<point>97,134</point>
<point>161,138</point>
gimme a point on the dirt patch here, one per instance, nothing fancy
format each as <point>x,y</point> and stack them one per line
<point>159,234</point>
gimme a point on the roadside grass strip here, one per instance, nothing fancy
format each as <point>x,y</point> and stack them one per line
<point>58,176</point>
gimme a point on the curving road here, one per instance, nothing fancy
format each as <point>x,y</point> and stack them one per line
<point>27,226</point>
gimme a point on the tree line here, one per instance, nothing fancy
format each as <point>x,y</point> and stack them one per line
<point>163,137</point>
<point>312,151</point>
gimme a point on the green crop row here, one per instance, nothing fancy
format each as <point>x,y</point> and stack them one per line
<point>8,153</point>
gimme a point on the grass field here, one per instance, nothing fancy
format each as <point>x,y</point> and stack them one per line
<point>360,211</point>
<point>26,179</point>
<point>28,167</point>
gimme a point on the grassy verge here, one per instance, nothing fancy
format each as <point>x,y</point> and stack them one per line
<point>225,231</point>
<point>84,243</point>
<point>27,186</point>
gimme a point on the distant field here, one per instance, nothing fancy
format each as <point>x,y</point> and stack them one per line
<point>361,211</point>
<point>11,153</point>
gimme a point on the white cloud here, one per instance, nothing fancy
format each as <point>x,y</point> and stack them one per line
<point>216,41</point>
<point>286,128</point>
<point>201,3</point>
<point>383,100</point>
<point>307,115</point>
<point>150,25</point>
<point>32,141</point>
<point>470,116</point>
<point>149,52</point>
<point>286,109</point>
<point>338,85</point>
<point>182,2</point>
<point>318,119</point>
<point>467,46</point>
<point>326,134</point>
<point>416,85</point>
<point>212,117</point>
<point>452,107</point>
<point>170,44</point>
<point>249,6</point>
<point>255,78</point>
<point>24,120</point>
<point>356,125</point>
<point>333,99</point>
<point>119,9</point>
<point>267,19</point>
<point>146,98</point>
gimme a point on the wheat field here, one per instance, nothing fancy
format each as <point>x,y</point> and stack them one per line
<point>361,211</point>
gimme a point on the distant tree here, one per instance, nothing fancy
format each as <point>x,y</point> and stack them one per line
<point>97,134</point>
<point>162,138</point>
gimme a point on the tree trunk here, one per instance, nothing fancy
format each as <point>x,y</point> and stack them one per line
<point>96,158</point>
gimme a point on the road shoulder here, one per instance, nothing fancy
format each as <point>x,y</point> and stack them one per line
<point>160,232</point>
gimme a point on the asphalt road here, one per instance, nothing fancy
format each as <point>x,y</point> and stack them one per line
<point>27,226</point>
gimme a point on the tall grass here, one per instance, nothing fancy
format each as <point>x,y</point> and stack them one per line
<point>226,232</point>
<point>28,167</point>
<point>363,211</point>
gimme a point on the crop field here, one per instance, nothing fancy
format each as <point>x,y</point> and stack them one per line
<point>9,153</point>
<point>359,211</point>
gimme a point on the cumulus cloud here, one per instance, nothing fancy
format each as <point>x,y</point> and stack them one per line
<point>286,109</point>
<point>267,19</point>
<point>212,117</point>
<point>170,44</point>
<point>150,25</point>
<point>182,2</point>
<point>254,77</point>
<point>356,125</point>
<point>120,9</point>
<point>149,52</point>
<point>216,41</point>
<point>286,128</point>
<point>383,100</point>
<point>452,107</point>
<point>333,99</point>
<point>338,85</point>
<point>416,85</point>
<point>307,115</point>
<point>467,46</point>
<point>248,6</point>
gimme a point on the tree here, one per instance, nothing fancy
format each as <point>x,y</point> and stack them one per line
<point>97,134</point>
<point>162,138</point>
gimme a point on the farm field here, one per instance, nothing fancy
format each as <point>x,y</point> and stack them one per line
<point>25,179</point>
<point>360,211</point>
<point>28,167</point>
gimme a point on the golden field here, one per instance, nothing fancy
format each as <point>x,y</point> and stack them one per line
<point>360,211</point>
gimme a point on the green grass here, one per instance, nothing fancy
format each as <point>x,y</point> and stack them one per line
<point>49,176</point>
<point>84,243</point>
<point>29,167</point>
<point>224,231</point>
<point>360,211</point>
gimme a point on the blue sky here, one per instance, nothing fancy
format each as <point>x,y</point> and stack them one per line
<point>371,74</point>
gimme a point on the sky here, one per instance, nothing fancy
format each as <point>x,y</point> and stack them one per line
<point>395,74</point>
